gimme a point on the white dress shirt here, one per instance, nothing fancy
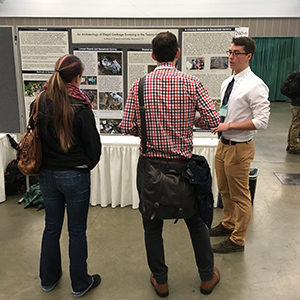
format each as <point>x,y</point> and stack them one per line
<point>248,101</point>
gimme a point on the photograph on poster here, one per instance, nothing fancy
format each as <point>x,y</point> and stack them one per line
<point>33,83</point>
<point>92,80</point>
<point>195,63</point>
<point>92,96</point>
<point>83,80</point>
<point>109,63</point>
<point>33,88</point>
<point>219,62</point>
<point>110,126</point>
<point>110,101</point>
<point>151,68</point>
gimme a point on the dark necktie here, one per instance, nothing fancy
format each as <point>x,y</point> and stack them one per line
<point>225,101</point>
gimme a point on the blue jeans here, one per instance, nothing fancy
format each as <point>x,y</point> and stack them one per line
<point>65,190</point>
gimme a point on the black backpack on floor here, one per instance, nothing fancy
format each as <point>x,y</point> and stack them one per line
<point>15,181</point>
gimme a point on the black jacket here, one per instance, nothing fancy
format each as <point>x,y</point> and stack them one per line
<point>291,87</point>
<point>198,174</point>
<point>85,152</point>
<point>295,101</point>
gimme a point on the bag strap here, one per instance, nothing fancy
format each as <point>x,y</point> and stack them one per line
<point>36,108</point>
<point>32,123</point>
<point>142,114</point>
<point>33,119</point>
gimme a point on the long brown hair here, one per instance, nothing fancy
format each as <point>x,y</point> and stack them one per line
<point>67,68</point>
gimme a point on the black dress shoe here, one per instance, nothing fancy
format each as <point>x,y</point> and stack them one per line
<point>227,246</point>
<point>297,151</point>
<point>220,230</point>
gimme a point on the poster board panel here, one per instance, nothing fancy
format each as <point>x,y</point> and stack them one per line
<point>115,57</point>
<point>9,113</point>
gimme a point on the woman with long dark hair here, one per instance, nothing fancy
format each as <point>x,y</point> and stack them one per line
<point>71,149</point>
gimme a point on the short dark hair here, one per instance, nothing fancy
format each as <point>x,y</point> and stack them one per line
<point>247,42</point>
<point>165,46</point>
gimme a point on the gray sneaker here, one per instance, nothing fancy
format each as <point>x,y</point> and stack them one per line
<point>49,288</point>
<point>220,230</point>
<point>227,246</point>
<point>96,279</point>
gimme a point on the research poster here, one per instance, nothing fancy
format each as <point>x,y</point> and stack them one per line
<point>102,81</point>
<point>40,48</point>
<point>204,56</point>
<point>33,84</point>
<point>140,63</point>
<point>109,72</point>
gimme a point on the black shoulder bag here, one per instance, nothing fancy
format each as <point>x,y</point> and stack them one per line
<point>162,195</point>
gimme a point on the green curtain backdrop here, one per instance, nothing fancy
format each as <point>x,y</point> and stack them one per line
<point>274,58</point>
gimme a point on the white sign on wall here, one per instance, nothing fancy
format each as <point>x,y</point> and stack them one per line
<point>241,31</point>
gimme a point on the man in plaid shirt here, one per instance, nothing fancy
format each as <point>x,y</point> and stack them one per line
<point>174,102</point>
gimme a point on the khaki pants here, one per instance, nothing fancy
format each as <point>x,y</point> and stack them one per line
<point>294,128</point>
<point>232,163</point>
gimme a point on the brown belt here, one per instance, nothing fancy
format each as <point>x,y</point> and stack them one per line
<point>229,142</point>
<point>172,161</point>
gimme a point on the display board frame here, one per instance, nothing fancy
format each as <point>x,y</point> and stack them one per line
<point>117,48</point>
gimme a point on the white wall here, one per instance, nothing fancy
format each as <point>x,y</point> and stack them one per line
<point>150,8</point>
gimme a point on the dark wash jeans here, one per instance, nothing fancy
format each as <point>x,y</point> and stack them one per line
<point>199,234</point>
<point>65,190</point>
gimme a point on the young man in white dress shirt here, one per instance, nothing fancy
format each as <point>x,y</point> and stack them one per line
<point>247,110</point>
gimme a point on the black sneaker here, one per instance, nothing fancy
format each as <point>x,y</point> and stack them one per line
<point>227,246</point>
<point>220,230</point>
<point>96,279</point>
<point>297,151</point>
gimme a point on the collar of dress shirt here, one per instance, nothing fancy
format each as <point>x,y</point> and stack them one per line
<point>165,65</point>
<point>240,75</point>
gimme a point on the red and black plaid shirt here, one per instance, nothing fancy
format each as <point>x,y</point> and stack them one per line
<point>171,101</point>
